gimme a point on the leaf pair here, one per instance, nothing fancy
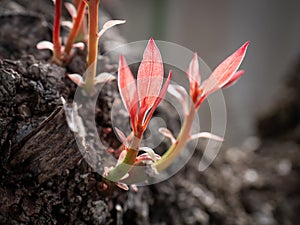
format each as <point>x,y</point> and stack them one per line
<point>142,96</point>
<point>223,76</point>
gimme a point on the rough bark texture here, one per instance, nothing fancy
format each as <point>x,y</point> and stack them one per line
<point>43,177</point>
<point>45,157</point>
<point>32,120</point>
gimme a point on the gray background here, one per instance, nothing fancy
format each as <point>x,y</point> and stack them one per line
<point>215,29</point>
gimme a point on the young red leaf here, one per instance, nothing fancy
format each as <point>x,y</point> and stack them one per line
<point>225,71</point>
<point>127,88</point>
<point>158,99</point>
<point>150,77</point>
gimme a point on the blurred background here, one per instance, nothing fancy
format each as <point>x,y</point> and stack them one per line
<point>215,29</point>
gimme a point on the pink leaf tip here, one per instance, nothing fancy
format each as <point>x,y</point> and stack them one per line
<point>127,88</point>
<point>193,74</point>
<point>150,77</point>
<point>224,74</point>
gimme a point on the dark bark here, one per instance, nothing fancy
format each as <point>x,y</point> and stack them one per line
<point>48,150</point>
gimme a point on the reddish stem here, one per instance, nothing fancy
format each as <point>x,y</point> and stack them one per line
<point>93,31</point>
<point>92,45</point>
<point>82,34</point>
<point>76,27</point>
<point>56,33</point>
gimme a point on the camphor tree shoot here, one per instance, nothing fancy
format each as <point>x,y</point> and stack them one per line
<point>142,96</point>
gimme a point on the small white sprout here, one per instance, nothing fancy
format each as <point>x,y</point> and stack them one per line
<point>67,24</point>
<point>149,155</point>
<point>206,135</point>
<point>167,133</point>
<point>71,9</point>
<point>180,94</point>
<point>103,78</point>
<point>109,24</point>
<point>45,45</point>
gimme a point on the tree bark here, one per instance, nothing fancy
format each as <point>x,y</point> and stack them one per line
<point>48,150</point>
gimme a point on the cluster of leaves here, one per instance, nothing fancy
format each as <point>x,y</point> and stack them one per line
<point>142,96</point>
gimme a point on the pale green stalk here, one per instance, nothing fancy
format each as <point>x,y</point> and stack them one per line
<point>175,149</point>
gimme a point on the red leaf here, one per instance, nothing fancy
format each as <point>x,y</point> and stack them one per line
<point>150,77</point>
<point>225,71</point>
<point>158,99</point>
<point>127,88</point>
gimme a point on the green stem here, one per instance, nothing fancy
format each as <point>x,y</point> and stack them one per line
<point>175,149</point>
<point>126,165</point>
<point>167,159</point>
<point>93,6</point>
